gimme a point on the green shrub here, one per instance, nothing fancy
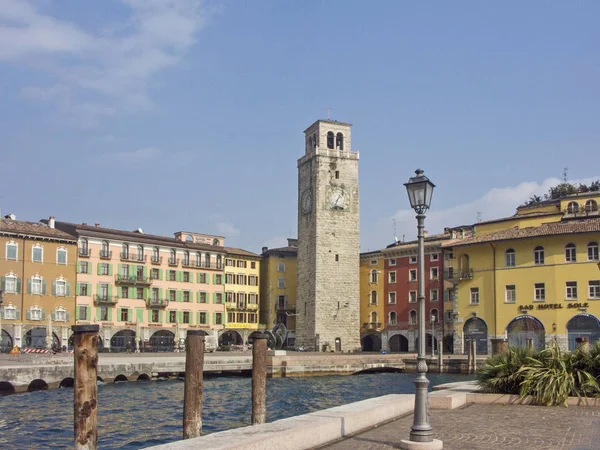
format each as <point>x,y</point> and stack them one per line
<point>500,373</point>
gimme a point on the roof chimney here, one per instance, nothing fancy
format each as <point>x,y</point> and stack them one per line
<point>264,249</point>
<point>83,223</point>
<point>425,233</point>
<point>51,221</point>
<point>292,242</point>
<point>97,225</point>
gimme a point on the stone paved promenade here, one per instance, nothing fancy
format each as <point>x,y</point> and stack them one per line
<point>493,427</point>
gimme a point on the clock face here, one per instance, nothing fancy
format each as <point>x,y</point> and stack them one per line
<point>338,199</point>
<point>306,201</point>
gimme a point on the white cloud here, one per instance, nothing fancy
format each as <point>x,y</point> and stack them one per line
<point>223,226</point>
<point>136,156</point>
<point>100,74</point>
<point>495,204</point>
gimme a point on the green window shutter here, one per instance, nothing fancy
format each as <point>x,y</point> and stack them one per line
<point>90,267</point>
<point>160,316</point>
<point>110,290</point>
<point>97,288</point>
<point>214,298</point>
<point>99,271</point>
<point>76,313</point>
<point>18,285</point>
<point>160,271</point>
<point>110,310</point>
<point>78,267</point>
<point>3,283</point>
<point>198,297</point>
<point>145,271</point>
<point>110,272</point>
<point>145,294</point>
<point>197,277</point>
<point>139,314</point>
<point>160,293</point>
<point>214,278</point>
<point>69,289</point>
<point>44,287</point>
<point>98,313</point>
<point>198,317</point>
<point>179,296</point>
<point>78,288</point>
<point>54,287</point>
<point>149,316</point>
<point>29,286</point>
<point>179,316</point>
<point>179,275</point>
<point>130,314</point>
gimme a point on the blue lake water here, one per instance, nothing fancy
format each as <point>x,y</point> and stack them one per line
<point>140,414</point>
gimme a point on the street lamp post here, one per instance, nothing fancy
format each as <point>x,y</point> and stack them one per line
<point>420,190</point>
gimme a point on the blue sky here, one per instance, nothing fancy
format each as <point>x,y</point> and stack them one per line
<point>182,114</point>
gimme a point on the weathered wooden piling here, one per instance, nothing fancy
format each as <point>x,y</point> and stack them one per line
<point>192,390</point>
<point>259,379</point>
<point>85,391</point>
<point>440,357</point>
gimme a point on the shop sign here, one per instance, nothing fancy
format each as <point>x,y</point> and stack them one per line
<point>107,324</point>
<point>541,306</point>
<point>155,325</point>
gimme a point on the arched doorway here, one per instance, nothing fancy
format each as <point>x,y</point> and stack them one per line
<point>162,341</point>
<point>476,328</point>
<point>371,343</point>
<point>231,337</point>
<point>582,326</point>
<point>523,328</point>
<point>119,341</point>
<point>427,343</point>
<point>6,342</point>
<point>398,343</point>
<point>36,338</point>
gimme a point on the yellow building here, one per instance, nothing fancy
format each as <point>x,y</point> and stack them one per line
<point>278,288</point>
<point>532,278</point>
<point>372,300</point>
<point>38,272</point>
<point>242,275</point>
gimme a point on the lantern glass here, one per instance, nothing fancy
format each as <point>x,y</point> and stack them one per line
<point>420,191</point>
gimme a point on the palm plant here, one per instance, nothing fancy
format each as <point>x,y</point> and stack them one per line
<point>500,373</point>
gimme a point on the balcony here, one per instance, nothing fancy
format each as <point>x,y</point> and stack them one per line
<point>252,306</point>
<point>173,262</point>
<point>286,307</point>
<point>137,257</point>
<point>105,254</point>
<point>157,302</point>
<point>231,305</point>
<point>208,265</point>
<point>458,276</point>
<point>137,280</point>
<point>105,300</point>
<point>156,260</point>
<point>188,263</point>
<point>406,326</point>
<point>372,325</point>
<point>84,252</point>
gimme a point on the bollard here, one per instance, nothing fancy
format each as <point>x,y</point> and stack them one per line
<point>85,390</point>
<point>474,355</point>
<point>192,390</point>
<point>259,379</point>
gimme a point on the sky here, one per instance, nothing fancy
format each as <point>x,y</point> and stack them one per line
<point>172,115</point>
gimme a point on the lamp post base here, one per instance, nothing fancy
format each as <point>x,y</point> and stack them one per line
<point>407,444</point>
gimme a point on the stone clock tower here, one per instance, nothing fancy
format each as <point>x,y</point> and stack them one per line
<point>327,303</point>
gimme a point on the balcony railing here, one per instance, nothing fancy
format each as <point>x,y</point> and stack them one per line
<point>207,265</point>
<point>133,257</point>
<point>188,263</point>
<point>85,252</point>
<point>104,300</point>
<point>372,325</point>
<point>105,254</point>
<point>174,262</point>
<point>133,279</point>
<point>252,306</point>
<point>407,326</point>
<point>286,307</point>
<point>157,302</point>
<point>456,276</point>
<point>156,259</point>
<point>231,305</point>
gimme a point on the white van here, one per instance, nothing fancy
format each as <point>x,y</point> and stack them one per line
<point>210,344</point>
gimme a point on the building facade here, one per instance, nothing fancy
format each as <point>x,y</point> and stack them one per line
<point>145,291</point>
<point>327,302</point>
<point>532,278</point>
<point>278,288</point>
<point>372,301</point>
<point>38,280</point>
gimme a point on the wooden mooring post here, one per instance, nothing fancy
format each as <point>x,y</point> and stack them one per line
<point>440,357</point>
<point>192,390</point>
<point>259,379</point>
<point>85,392</point>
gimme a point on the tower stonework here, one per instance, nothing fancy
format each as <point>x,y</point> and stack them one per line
<point>327,303</point>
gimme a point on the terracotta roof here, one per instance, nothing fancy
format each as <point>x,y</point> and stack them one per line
<point>75,229</point>
<point>521,216</point>
<point>287,249</point>
<point>8,226</point>
<point>547,229</point>
<point>371,254</point>
<point>240,252</point>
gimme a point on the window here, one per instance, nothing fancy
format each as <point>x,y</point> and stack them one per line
<point>435,257</point>
<point>202,318</point>
<point>104,251</point>
<point>104,269</point>
<point>218,318</point>
<point>392,261</point>
<point>10,312</point>
<point>172,295</point>
<point>412,296</point>
<point>510,293</point>
<point>60,315</point>
<point>592,249</point>
<point>591,206</point>
<point>339,141</point>
<point>35,313</point>
<point>337,174</point>
<point>155,254</point>
<point>330,140</point>
<point>124,315</point>
<point>509,258</point>
<point>392,298</point>
<point>186,258</point>
<point>412,275</point>
<point>124,292</point>
<point>374,277</point>
<point>155,316</point>
<point>280,267</point>
<point>434,273</point>
<point>202,297</point>
<point>448,255</point>
<point>241,264</point>
<point>61,288</point>
<point>104,313</point>
<point>594,288</point>
<point>155,294</point>
<point>230,278</point>
<point>139,293</point>
<point>172,275</point>
<point>571,290</point>
<point>125,251</point>
<point>172,316</point>
<point>412,260</point>
<point>186,317</point>
<point>392,319</point>
<point>218,298</point>
<point>373,298</point>
<point>252,280</point>
<point>373,262</point>
<point>570,253</point>
<point>474,296</point>
<point>11,284</point>
<point>140,255</point>
<point>83,315</point>
<point>172,257</point>
<point>538,255</point>
<point>229,262</point>
<point>83,289</point>
<point>207,260</point>
<point>125,270</point>
<point>103,291</point>
<point>186,277</point>
<point>37,253</point>
<point>281,283</point>
<point>154,274</point>
<point>412,318</point>
<point>11,250</point>
<point>202,278</point>
<point>392,277</point>
<point>241,279</point>
<point>539,292</point>
<point>433,295</point>
<point>84,267</point>
<point>36,285</point>
<point>572,208</point>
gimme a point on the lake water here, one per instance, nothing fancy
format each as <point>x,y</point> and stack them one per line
<point>140,414</point>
